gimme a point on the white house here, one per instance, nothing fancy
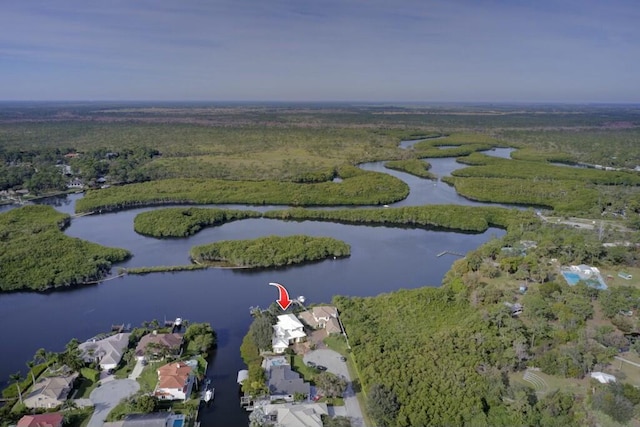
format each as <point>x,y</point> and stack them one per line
<point>106,352</point>
<point>287,331</point>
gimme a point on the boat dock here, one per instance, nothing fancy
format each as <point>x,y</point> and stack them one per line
<point>450,253</point>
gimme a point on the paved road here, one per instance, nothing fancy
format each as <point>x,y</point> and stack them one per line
<point>331,360</point>
<point>107,396</point>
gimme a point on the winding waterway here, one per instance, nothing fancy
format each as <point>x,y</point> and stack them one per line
<point>383,259</point>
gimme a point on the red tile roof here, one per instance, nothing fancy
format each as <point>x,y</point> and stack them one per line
<point>173,375</point>
<point>53,419</point>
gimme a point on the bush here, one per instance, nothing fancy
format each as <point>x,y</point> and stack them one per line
<point>90,374</point>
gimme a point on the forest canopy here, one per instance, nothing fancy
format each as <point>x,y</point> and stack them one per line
<point>35,254</point>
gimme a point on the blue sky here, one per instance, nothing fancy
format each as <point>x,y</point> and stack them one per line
<point>315,50</point>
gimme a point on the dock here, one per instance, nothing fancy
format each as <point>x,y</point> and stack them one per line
<point>450,253</point>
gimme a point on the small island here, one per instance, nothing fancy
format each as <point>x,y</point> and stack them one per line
<point>183,222</point>
<point>270,251</point>
<point>416,167</point>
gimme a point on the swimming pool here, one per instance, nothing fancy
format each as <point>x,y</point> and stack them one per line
<point>571,278</point>
<point>178,422</point>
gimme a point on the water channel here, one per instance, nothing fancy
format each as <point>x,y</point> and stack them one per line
<point>383,259</point>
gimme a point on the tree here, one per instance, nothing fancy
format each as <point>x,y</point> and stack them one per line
<point>145,404</point>
<point>331,384</point>
<point>382,405</point>
<point>40,355</point>
<point>17,377</point>
<point>31,364</point>
<point>261,331</point>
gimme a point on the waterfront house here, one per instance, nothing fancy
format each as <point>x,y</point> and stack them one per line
<point>322,317</point>
<point>295,414</point>
<point>75,183</point>
<point>106,352</point>
<point>287,331</point>
<point>155,345</point>
<point>154,419</point>
<point>285,383</point>
<point>175,381</point>
<point>50,392</point>
<point>51,419</point>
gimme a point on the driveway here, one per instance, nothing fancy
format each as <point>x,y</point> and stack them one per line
<point>331,360</point>
<point>107,396</point>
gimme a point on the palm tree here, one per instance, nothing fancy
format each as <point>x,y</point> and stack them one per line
<point>40,355</point>
<point>17,377</point>
<point>31,364</point>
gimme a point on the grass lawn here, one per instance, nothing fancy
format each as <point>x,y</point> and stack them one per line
<point>332,401</point>
<point>308,373</point>
<point>337,343</point>
<point>79,417</point>
<point>619,281</point>
<point>571,385</point>
<point>85,388</point>
<point>149,377</point>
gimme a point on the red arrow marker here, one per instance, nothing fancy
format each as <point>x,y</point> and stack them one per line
<point>283,296</point>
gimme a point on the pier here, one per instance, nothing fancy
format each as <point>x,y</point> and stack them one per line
<point>450,253</point>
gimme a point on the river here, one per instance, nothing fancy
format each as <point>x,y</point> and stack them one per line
<point>383,259</point>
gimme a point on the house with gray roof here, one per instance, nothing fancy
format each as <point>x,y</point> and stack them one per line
<point>50,392</point>
<point>284,383</point>
<point>106,352</point>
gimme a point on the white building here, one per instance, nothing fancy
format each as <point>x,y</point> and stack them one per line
<point>287,331</point>
<point>603,378</point>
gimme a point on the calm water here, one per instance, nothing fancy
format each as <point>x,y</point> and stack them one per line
<point>383,259</point>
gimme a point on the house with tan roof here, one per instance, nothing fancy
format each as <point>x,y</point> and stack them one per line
<point>50,392</point>
<point>154,345</point>
<point>106,352</point>
<point>51,419</point>
<point>175,380</point>
<point>322,317</point>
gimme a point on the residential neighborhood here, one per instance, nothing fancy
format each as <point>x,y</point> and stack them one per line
<point>149,376</point>
<point>306,383</point>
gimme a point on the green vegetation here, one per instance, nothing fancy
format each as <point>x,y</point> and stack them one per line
<point>163,269</point>
<point>36,255</point>
<point>456,217</point>
<point>183,222</point>
<point>271,251</point>
<point>447,356</point>
<point>256,383</point>
<point>563,196</point>
<point>357,188</point>
<point>416,167</point>
<point>494,167</point>
<point>199,339</point>
<point>11,391</point>
<point>456,144</point>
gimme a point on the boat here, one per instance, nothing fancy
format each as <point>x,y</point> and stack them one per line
<point>209,394</point>
<point>177,322</point>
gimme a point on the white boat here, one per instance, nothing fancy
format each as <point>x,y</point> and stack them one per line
<point>178,321</point>
<point>208,395</point>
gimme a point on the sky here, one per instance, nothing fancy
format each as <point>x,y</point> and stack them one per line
<point>321,50</point>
